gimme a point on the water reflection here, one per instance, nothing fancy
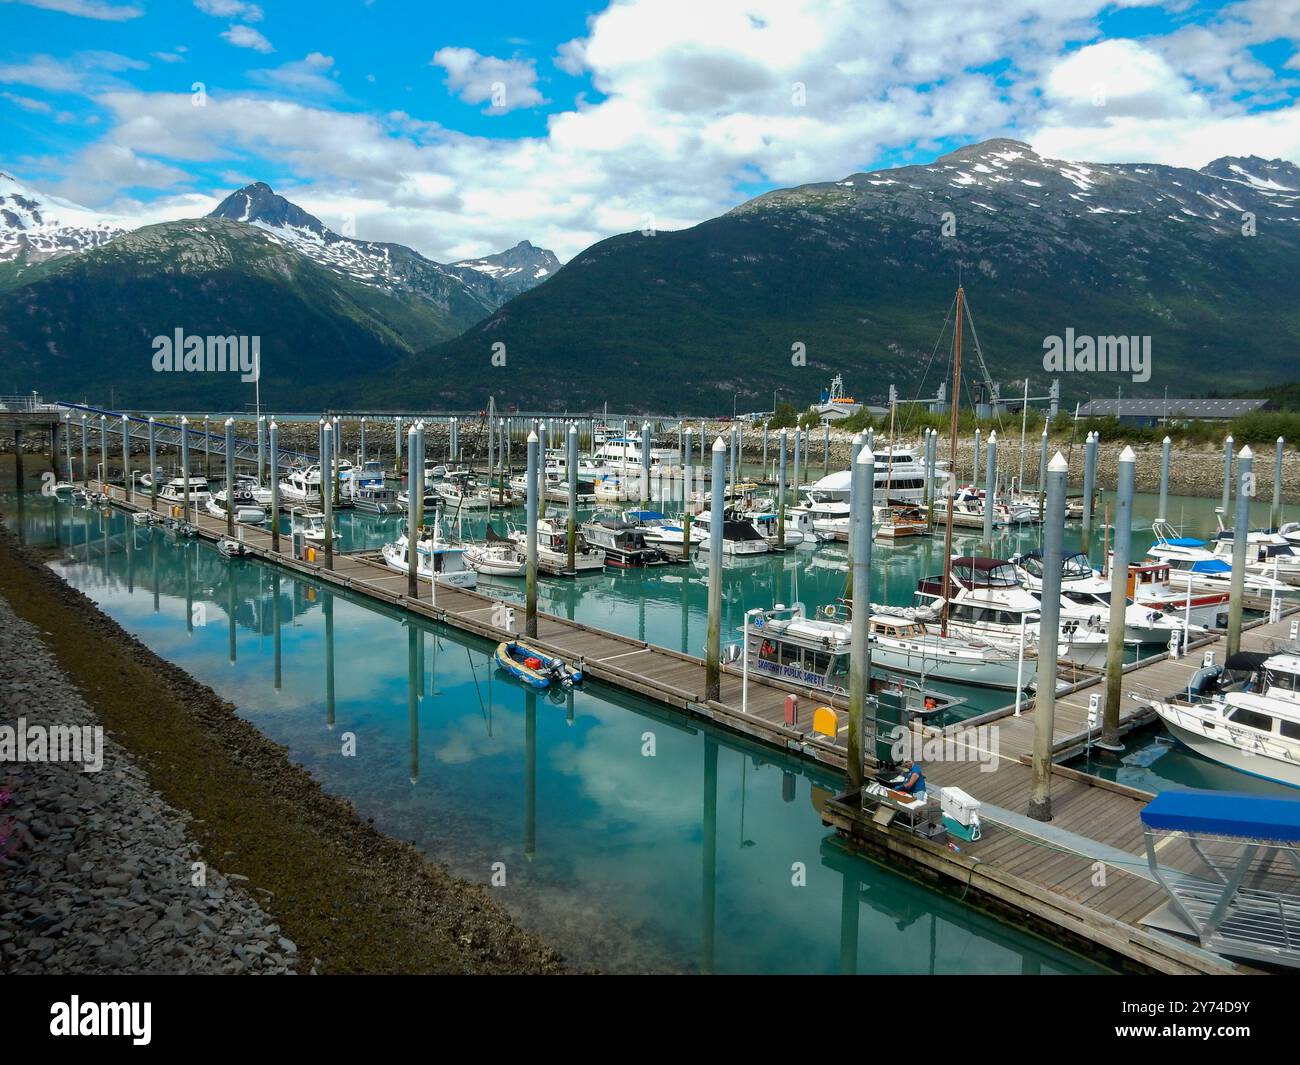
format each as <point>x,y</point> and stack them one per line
<point>629,837</point>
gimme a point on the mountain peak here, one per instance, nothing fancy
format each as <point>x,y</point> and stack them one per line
<point>1001,147</point>
<point>259,204</point>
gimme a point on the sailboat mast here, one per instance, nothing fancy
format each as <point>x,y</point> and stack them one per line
<point>952,461</point>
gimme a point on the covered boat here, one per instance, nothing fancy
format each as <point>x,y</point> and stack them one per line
<point>535,667</point>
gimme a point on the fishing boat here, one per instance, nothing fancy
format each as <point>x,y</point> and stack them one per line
<point>986,601</point>
<point>623,542</point>
<point>497,556</point>
<point>1245,714</point>
<point>535,667</point>
<point>739,537</point>
<point>813,653</point>
<point>377,499</point>
<point>1149,586</point>
<point>664,532</point>
<point>553,548</point>
<point>309,522</point>
<point>798,527</point>
<point>835,405</point>
<point>435,560</point>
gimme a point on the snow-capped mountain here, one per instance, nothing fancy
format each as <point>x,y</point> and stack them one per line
<point>393,267</point>
<point>35,226</point>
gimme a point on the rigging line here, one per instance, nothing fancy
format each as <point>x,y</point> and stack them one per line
<point>930,361</point>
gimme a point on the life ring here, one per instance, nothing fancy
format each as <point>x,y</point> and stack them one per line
<point>829,610</point>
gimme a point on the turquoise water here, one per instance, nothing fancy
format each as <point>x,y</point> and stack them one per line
<point>627,837</point>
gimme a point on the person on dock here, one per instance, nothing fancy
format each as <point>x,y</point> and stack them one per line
<point>913,780</point>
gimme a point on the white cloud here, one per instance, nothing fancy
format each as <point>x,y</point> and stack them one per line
<point>310,76</point>
<point>93,9</point>
<point>236,9</point>
<point>508,84</point>
<point>82,72</point>
<point>247,37</point>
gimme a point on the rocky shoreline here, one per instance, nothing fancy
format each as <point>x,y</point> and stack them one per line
<point>99,869</point>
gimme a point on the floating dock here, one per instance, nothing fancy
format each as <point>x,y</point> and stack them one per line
<point>1083,875</point>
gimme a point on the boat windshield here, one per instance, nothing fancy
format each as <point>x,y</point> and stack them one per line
<point>1076,565</point>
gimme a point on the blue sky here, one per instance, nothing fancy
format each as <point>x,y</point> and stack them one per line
<point>465,129</point>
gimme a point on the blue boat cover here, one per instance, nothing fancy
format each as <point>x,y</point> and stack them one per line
<point>645,515</point>
<point>1224,813</point>
<point>1211,565</point>
<point>1185,541</point>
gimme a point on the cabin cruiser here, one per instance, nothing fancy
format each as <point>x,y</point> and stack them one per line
<point>623,542</point>
<point>895,522</point>
<point>1267,554</point>
<point>1149,586</point>
<point>830,517</point>
<point>739,537</point>
<point>900,478</point>
<point>766,522</point>
<point>379,499</point>
<point>901,643</point>
<point>435,559</point>
<point>623,455</point>
<point>1192,565</point>
<point>1245,714</point>
<point>553,548</point>
<point>302,485</point>
<point>986,601</point>
<point>1085,596</point>
<point>173,491</point>
<point>664,532</point>
<point>968,510</point>
<point>309,522</point>
<point>247,510</point>
<point>432,500</point>
<point>814,653</point>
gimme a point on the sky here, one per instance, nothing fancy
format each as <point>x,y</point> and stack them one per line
<point>462,129</point>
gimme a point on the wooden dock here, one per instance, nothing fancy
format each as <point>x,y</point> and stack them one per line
<point>1083,874</point>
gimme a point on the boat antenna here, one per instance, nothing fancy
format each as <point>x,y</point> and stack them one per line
<point>952,460</point>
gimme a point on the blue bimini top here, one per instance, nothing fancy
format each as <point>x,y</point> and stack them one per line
<point>1224,813</point>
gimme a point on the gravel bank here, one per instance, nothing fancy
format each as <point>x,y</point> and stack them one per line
<point>296,880</point>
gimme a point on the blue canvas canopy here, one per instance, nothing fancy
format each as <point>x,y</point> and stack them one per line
<point>1185,541</point>
<point>1224,813</point>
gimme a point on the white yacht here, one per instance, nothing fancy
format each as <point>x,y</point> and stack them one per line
<point>1245,715</point>
<point>435,559</point>
<point>739,537</point>
<point>1192,565</point>
<point>173,491</point>
<point>664,532</point>
<point>247,510</point>
<point>308,521</point>
<point>986,601</point>
<point>900,478</point>
<point>623,455</point>
<point>553,548</point>
<point>1267,554</point>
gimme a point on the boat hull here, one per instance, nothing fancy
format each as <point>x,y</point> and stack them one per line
<point>1256,765</point>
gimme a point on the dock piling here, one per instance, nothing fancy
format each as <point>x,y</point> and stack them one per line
<point>1118,600</point>
<point>990,482</point>
<point>103,450</point>
<point>1240,534</point>
<point>1049,631</point>
<point>126,458</point>
<point>713,649</point>
<point>275,486</point>
<point>531,578</point>
<point>571,461</point>
<point>185,465</point>
<point>1228,445</point>
<point>153,466</point>
<point>1042,472</point>
<point>327,476</point>
<point>862,494</point>
<point>230,477</point>
<point>780,490</point>
<point>1275,512</point>
<point>85,464</point>
<point>1089,487</point>
<point>1163,511</point>
<point>414,495</point>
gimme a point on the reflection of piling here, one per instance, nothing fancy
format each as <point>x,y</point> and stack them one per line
<point>531,578</point>
<point>850,886</point>
<point>85,465</point>
<point>230,476</point>
<point>1240,533</point>
<point>1275,512</point>
<point>1118,599</point>
<point>709,871</point>
<point>274,433</point>
<point>275,618</point>
<point>327,609</point>
<point>414,682</point>
<point>261,447</point>
<point>103,450</point>
<point>712,659</point>
<point>530,773</point>
<point>1049,629</point>
<point>862,497</point>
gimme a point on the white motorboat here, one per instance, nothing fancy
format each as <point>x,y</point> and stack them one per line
<point>497,556</point>
<point>303,485</point>
<point>1268,554</point>
<point>766,522</point>
<point>1086,597</point>
<point>664,532</point>
<point>739,537</point>
<point>309,522</point>
<point>986,601</point>
<point>900,478</point>
<point>623,542</point>
<point>378,499</point>
<point>1149,586</point>
<point>623,455</point>
<point>173,491</point>
<point>897,522</point>
<point>1192,565</point>
<point>460,491</point>
<point>435,560</point>
<point>246,513</point>
<point>814,653</point>
<point>1245,715</point>
<point>830,517</point>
